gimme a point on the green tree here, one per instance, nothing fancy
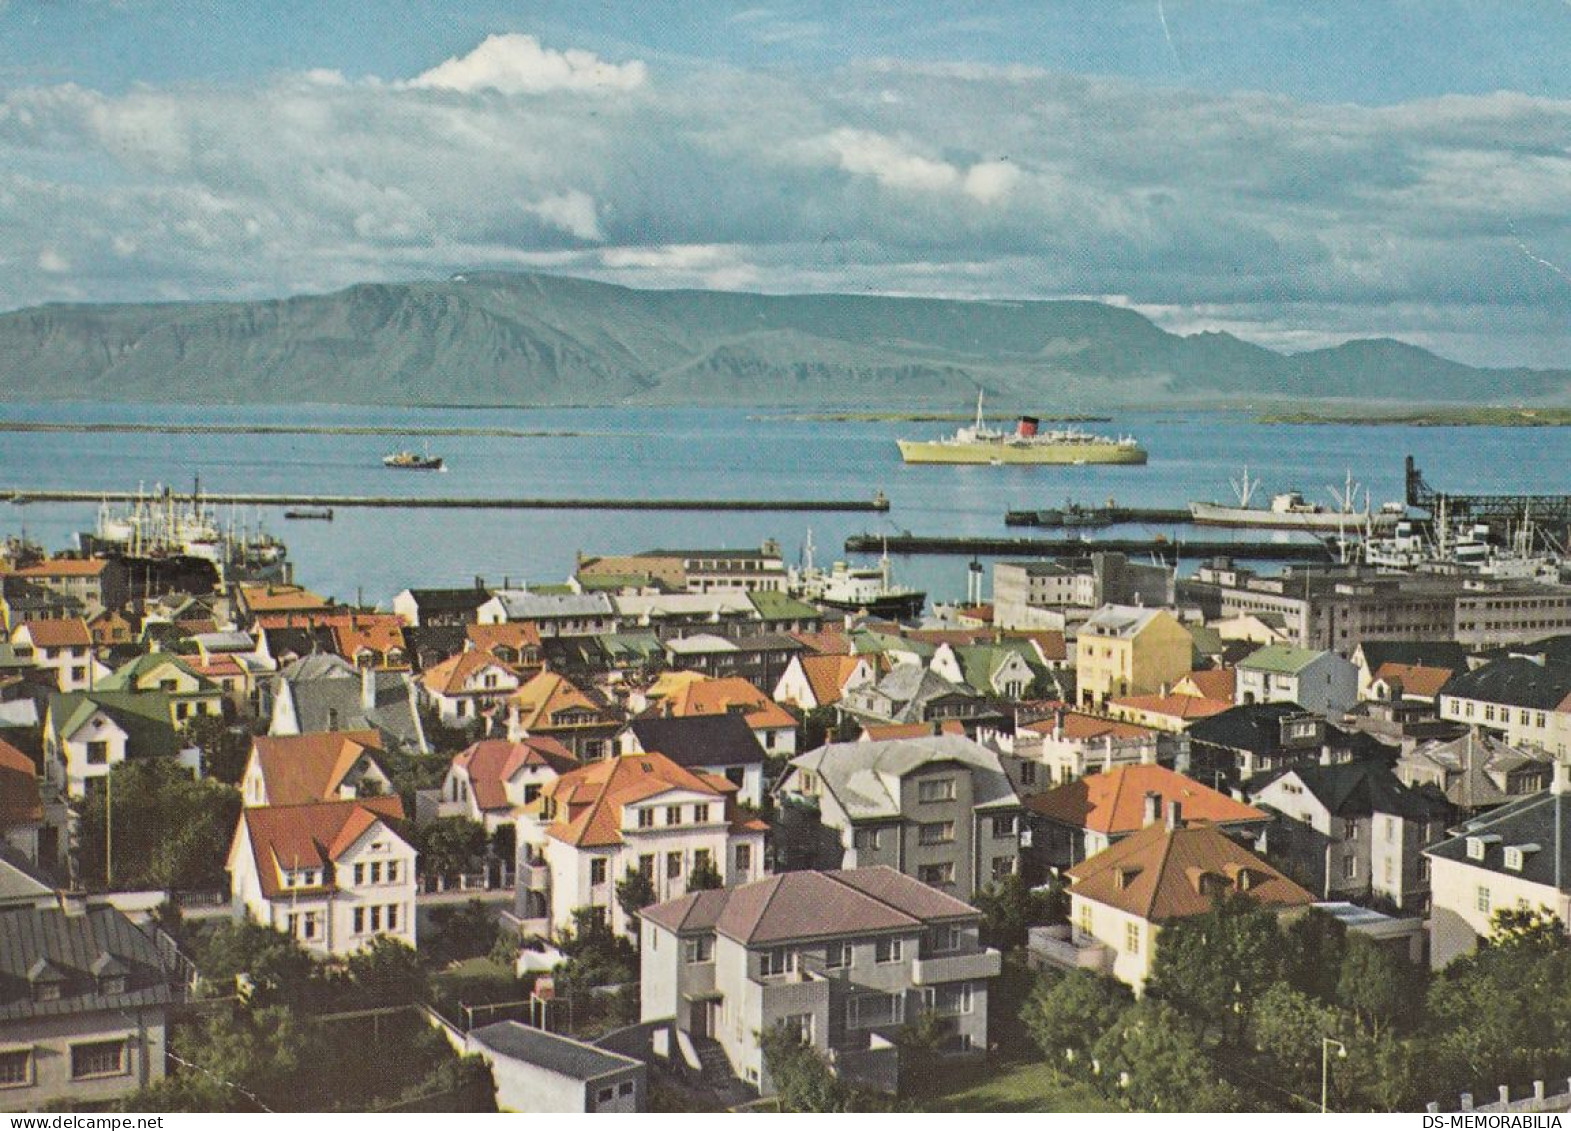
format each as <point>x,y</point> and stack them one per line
<point>1009,909</point>
<point>465,931</point>
<point>1154,1059</point>
<point>802,1078</point>
<point>634,892</point>
<point>449,846</point>
<point>275,966</point>
<point>1067,1014</point>
<point>704,876</point>
<point>1379,986</point>
<point>1288,1026</point>
<point>386,972</point>
<point>225,748</point>
<point>1214,966</point>
<point>1312,948</point>
<point>593,954</point>
<point>159,828</point>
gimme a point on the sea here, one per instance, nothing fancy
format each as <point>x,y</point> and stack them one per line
<point>694,453</point>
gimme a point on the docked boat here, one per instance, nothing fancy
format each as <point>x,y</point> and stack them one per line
<point>320,514</point>
<point>407,460</point>
<point>1027,444</point>
<point>856,589</point>
<point>1291,511</point>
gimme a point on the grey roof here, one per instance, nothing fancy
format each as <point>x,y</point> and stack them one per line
<point>1476,767</point>
<point>225,641</point>
<point>71,944</point>
<point>700,740</point>
<point>1515,681</point>
<point>339,704</point>
<point>320,665</point>
<point>1527,823</point>
<point>560,1055</point>
<point>910,687</point>
<point>1361,788</point>
<point>865,776</point>
<point>1119,620</point>
<point>521,604</point>
<point>464,599</point>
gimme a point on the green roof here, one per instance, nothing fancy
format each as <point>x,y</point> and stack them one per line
<point>552,590</point>
<point>779,606</point>
<point>1283,658</point>
<point>143,715</point>
<point>879,642</point>
<point>616,582</point>
<point>124,677</point>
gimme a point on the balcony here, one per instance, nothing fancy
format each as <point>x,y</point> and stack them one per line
<point>1068,949</point>
<point>956,967</point>
<point>534,877</point>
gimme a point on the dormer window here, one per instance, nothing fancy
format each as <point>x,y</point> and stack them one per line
<point>1477,846</point>
<point>47,980</point>
<point>1517,854</point>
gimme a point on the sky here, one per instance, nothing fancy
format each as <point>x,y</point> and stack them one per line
<point>1294,173</point>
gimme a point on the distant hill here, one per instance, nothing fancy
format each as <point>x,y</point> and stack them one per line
<point>491,339</point>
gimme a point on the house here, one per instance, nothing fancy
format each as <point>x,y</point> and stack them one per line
<point>1262,628</point>
<point>771,724</point>
<point>305,768</point>
<point>1515,856</point>
<point>88,734</point>
<point>64,648</point>
<point>719,745</point>
<point>435,607</point>
<point>190,695</point>
<point>1372,655</point>
<point>1476,770</point>
<point>101,583</point>
<point>332,875</point>
<point>493,780</point>
<point>537,1071</point>
<point>21,808</point>
<point>812,681</point>
<point>1034,594</point>
<point>1171,712</point>
<point>844,959</point>
<point>1354,831</point>
<point>1071,744</point>
<point>1129,650</point>
<point>22,600</point>
<point>1209,683</point>
<point>371,640</point>
<point>914,694</point>
<point>939,808</point>
<point>780,613</point>
<point>1524,697</point>
<point>1408,682</point>
<point>469,686</point>
<point>550,706</point>
<point>1075,821</point>
<point>681,614</point>
<point>1318,681</point>
<point>761,659</point>
<point>1121,899</point>
<point>111,628</point>
<point>325,693</point>
<point>514,643</point>
<point>553,614</point>
<point>1254,739</point>
<point>999,670</point>
<point>637,812</point>
<point>252,601</point>
<point>885,732</point>
<point>694,571</point>
<point>85,998</point>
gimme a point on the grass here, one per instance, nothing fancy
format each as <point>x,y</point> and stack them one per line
<point>1031,1087</point>
<point>1442,417</point>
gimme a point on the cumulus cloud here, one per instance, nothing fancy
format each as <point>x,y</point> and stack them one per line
<point>519,64</point>
<point>1282,221</point>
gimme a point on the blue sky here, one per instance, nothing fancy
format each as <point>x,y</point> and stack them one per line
<point>1295,173</point>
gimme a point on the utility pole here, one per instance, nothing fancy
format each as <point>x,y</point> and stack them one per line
<point>109,828</point>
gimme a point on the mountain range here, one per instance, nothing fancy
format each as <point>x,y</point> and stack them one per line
<point>532,339</point>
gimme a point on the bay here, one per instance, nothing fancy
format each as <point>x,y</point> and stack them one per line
<point>642,453</point>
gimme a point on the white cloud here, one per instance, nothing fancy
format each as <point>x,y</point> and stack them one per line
<point>518,64</point>
<point>988,181</point>
<point>889,162</point>
<point>572,212</point>
<point>53,262</point>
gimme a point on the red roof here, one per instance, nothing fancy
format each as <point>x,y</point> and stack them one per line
<point>875,732</point>
<point>452,674</point>
<point>1175,705</point>
<point>1080,727</point>
<point>292,837</point>
<point>302,768</point>
<point>1114,802</point>
<point>589,800</point>
<point>492,762</point>
<point>1414,678</point>
<point>71,632</point>
<point>65,567</point>
<point>1213,683</point>
<point>719,696</point>
<point>19,799</point>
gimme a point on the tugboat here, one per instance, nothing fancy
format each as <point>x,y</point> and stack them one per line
<point>407,460</point>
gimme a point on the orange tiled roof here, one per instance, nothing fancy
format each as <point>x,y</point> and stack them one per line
<point>19,799</point>
<point>1080,727</point>
<point>492,762</point>
<point>539,700</point>
<point>876,733</point>
<point>517,635</point>
<point>1159,875</point>
<point>280,598</point>
<point>1175,705</point>
<point>823,643</point>
<point>590,799</point>
<point>1415,679</point>
<point>65,567</point>
<point>379,635</point>
<point>291,837</point>
<point>1049,640</point>
<point>1114,802</point>
<point>449,677</point>
<point>304,768</point>
<point>70,632</point>
<point>1213,683</point>
<point>827,675</point>
<point>718,696</point>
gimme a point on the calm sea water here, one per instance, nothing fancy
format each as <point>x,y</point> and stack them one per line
<point>695,453</point>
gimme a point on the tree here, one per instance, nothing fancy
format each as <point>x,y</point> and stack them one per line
<point>1067,1014</point>
<point>1153,1059</point>
<point>594,954</point>
<point>634,892</point>
<point>386,972</point>
<point>164,829</point>
<point>1379,986</point>
<point>225,748</point>
<point>1288,1026</point>
<point>277,968</point>
<point>1312,948</point>
<point>704,876</point>
<point>1214,966</point>
<point>449,846</point>
<point>1527,928</point>
<point>463,932</point>
<point>802,1078</point>
<point>1009,909</point>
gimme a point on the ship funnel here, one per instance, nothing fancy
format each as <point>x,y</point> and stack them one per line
<point>1028,426</point>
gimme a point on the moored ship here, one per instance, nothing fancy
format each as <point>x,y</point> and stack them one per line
<point>1291,511</point>
<point>407,460</point>
<point>1027,444</point>
<point>856,589</point>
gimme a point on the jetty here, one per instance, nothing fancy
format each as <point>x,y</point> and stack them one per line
<point>1166,548</point>
<point>879,503</point>
<point>1075,514</point>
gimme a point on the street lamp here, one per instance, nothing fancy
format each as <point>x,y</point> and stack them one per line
<point>1326,1044</point>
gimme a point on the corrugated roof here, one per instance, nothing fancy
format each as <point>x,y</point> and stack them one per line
<point>69,947</point>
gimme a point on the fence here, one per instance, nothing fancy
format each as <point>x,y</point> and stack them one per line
<point>1541,1100</point>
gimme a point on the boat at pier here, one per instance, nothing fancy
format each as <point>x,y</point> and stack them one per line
<point>321,514</point>
<point>855,589</point>
<point>1291,511</point>
<point>1027,444</point>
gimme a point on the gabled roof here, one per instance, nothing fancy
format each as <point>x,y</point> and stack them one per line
<point>515,634</point>
<point>826,643</point>
<point>378,634</point>
<point>292,837</point>
<point>1049,640</point>
<point>1515,681</point>
<point>65,632</point>
<point>143,715</point>
<point>491,764</point>
<point>1281,659</point>
<point>1364,787</point>
<point>73,950</point>
<point>19,797</point>
<point>873,732</point>
<point>1213,683</point>
<point>1528,824</point>
<point>827,675</point>
<point>1418,653</point>
<point>800,906</point>
<point>274,598</point>
<point>522,604</point>
<point>1256,727</point>
<point>865,776</point>
<point>590,799</point>
<point>452,675</point>
<point>1174,705</point>
<point>1122,621</point>
<point>462,600</point>
<point>700,740</point>
<point>1159,874</point>
<point>124,677</point>
<point>542,697</point>
<point>65,567</point>
<point>1114,802</point>
<point>726,696</point>
<point>1415,680</point>
<point>779,606</point>
<point>1474,766</point>
<point>1079,727</point>
<point>335,704</point>
<point>304,768</point>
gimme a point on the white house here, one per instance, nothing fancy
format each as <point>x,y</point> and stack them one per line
<point>811,682</point>
<point>64,648</point>
<point>555,614</point>
<point>333,875</point>
<point>302,768</point>
<point>493,780</point>
<point>468,686</point>
<point>86,735</point>
<point>1319,681</point>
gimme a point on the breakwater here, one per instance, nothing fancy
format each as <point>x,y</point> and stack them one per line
<point>1165,548</point>
<point>878,503</point>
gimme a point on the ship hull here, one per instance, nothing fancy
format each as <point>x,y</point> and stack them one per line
<point>934,451</point>
<point>1213,514</point>
<point>901,606</point>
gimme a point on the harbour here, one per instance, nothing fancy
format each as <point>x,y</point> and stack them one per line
<point>1159,546</point>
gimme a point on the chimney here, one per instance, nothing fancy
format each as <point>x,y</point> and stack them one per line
<point>1153,810</point>
<point>1175,816</point>
<point>1107,754</point>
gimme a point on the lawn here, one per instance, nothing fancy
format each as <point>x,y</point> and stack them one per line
<point>1023,1088</point>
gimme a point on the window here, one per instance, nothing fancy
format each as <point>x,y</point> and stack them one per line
<point>1390,830</point>
<point>359,874</point>
<point>1481,898</point>
<point>376,919</point>
<point>838,956</point>
<point>376,872</point>
<point>937,832</point>
<point>1423,869</point>
<point>777,961</point>
<point>947,939</point>
<point>1390,870</point>
<point>1475,848</point>
<point>359,927</point>
<point>392,871</point>
<point>1132,937</point>
<point>867,1010</point>
<point>1005,826</point>
<point>867,840</point>
<point>673,814</point>
<point>799,1025</point>
<point>1349,867</point>
<point>936,789</point>
<point>646,818</point>
<point>313,924</point>
<point>625,1088</point>
<point>597,871</point>
<point>16,1068</point>
<point>1350,829</point>
<point>97,753</point>
<point>293,930</point>
<point>700,814</point>
<point>949,1000</point>
<point>605,1095</point>
<point>888,950</point>
<point>937,875</point>
<point>1027,773</point>
<point>100,1058</point>
<point>700,949</point>
<point>392,916</point>
<point>646,867</point>
<point>673,865</point>
<point>744,859</point>
<point>1003,866</point>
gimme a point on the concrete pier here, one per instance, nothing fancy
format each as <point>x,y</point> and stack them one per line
<point>878,503</point>
<point>1167,549</point>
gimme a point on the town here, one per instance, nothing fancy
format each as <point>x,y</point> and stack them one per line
<point>702,830</point>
